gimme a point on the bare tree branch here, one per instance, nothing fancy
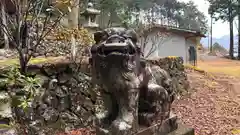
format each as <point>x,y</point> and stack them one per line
<point>27,34</point>
<point>157,41</point>
<point>151,40</point>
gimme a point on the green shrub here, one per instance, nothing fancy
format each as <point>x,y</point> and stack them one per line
<point>21,88</point>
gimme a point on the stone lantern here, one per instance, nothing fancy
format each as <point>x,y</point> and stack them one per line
<point>90,15</point>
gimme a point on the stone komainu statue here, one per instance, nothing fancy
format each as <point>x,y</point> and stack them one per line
<point>135,92</point>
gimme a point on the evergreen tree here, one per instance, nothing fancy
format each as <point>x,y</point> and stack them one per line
<point>225,10</point>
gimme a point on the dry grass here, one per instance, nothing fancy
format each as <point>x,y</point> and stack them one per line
<point>235,71</point>
<point>188,66</point>
<point>229,67</point>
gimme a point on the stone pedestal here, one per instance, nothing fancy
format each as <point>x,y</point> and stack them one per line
<point>167,126</point>
<point>182,130</point>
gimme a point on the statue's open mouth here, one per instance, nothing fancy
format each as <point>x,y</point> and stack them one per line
<point>122,49</point>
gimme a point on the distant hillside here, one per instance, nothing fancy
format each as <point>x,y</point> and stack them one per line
<point>223,41</point>
<point>217,48</point>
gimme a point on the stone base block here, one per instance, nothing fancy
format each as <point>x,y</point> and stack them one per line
<point>182,130</point>
<point>171,126</point>
<point>168,126</point>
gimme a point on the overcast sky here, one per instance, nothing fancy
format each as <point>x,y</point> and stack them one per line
<point>219,28</point>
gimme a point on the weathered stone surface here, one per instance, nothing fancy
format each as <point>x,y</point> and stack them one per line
<point>162,128</point>
<point>7,132</point>
<point>5,105</point>
<point>174,66</point>
<point>70,103</point>
<point>116,73</point>
<point>180,129</point>
<point>4,54</point>
<point>66,101</point>
<point>53,45</point>
<point>140,91</point>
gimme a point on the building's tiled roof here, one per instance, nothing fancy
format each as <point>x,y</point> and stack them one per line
<point>176,30</point>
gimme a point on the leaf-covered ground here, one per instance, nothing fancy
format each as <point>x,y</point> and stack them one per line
<point>213,105</point>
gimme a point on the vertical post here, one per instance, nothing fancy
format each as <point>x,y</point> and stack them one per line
<point>230,17</point>
<point>4,21</point>
<point>211,36</point>
<point>73,24</point>
<point>208,39</point>
<point>198,39</point>
<point>238,29</point>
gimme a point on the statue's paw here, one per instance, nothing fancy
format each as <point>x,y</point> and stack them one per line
<point>124,126</point>
<point>121,125</point>
<point>102,118</point>
<point>101,115</point>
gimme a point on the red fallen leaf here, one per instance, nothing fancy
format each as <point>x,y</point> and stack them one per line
<point>76,132</point>
<point>81,131</point>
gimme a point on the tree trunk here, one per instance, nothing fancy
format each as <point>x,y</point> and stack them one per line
<point>231,49</point>
<point>137,16</point>
<point>73,24</point>
<point>4,22</point>
<point>211,48</point>
<point>152,16</point>
<point>208,39</point>
<point>23,62</point>
<point>239,29</point>
<point>231,18</point>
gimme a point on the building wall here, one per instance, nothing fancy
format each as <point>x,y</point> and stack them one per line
<point>170,45</point>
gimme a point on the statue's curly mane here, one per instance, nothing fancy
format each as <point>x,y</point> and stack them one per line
<point>116,69</point>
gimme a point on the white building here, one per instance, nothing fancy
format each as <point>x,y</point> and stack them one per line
<point>163,41</point>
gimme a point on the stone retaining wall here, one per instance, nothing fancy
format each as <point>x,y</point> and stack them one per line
<point>174,66</point>
<point>68,100</point>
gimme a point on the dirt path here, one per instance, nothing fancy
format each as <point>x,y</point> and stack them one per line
<point>213,107</point>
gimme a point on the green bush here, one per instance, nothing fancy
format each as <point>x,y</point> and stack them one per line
<point>21,88</point>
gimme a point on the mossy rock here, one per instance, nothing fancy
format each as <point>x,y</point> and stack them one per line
<point>5,105</point>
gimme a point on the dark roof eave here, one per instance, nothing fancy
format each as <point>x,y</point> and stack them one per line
<point>198,34</point>
<point>194,33</point>
<point>203,36</point>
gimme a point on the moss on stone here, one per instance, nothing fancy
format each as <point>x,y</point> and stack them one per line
<point>15,62</point>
